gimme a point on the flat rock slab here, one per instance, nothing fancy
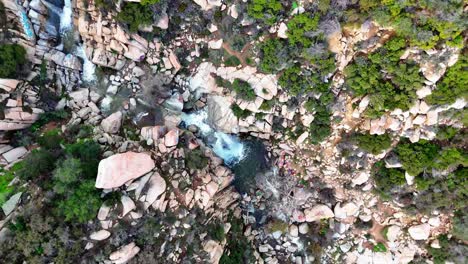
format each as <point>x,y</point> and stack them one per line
<point>118,169</point>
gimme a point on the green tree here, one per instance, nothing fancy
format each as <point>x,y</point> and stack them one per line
<point>66,174</point>
<point>81,204</point>
<point>267,11</point>
<point>135,15</point>
<point>299,26</point>
<point>12,60</point>
<point>416,157</point>
<point>35,164</point>
<point>374,144</point>
<point>243,90</point>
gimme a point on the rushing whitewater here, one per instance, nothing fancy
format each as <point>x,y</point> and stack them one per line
<point>66,17</point>
<point>226,146</point>
<point>89,69</point>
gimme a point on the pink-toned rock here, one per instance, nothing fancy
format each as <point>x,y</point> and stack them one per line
<point>318,212</point>
<point>112,123</point>
<point>124,254</point>
<point>153,132</point>
<point>172,137</point>
<point>163,22</point>
<point>118,169</point>
<point>212,188</point>
<point>8,84</point>
<point>174,61</point>
<point>157,185</point>
<point>100,235</point>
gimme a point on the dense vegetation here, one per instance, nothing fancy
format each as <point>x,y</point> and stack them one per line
<point>439,171</point>
<point>12,60</point>
<point>389,82</point>
<point>453,85</point>
<point>374,144</point>
<point>61,173</point>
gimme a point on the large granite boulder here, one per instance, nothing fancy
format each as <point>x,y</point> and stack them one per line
<point>118,169</point>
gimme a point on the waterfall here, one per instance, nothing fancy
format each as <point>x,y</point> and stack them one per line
<point>89,69</point>
<point>66,17</point>
<point>226,146</point>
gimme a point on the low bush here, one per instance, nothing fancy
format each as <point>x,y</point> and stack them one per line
<point>12,60</point>
<point>195,159</point>
<point>274,55</point>
<point>232,61</point>
<point>389,82</point>
<point>72,208</point>
<point>416,157</point>
<point>386,179</point>
<point>300,27</point>
<point>453,84</point>
<point>51,139</point>
<point>239,112</point>
<point>35,164</point>
<point>243,90</point>
<point>374,144</point>
<point>265,11</point>
<point>135,15</point>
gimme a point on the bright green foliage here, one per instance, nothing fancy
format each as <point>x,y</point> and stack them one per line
<point>379,247</point>
<point>66,174</point>
<point>12,59</point>
<point>293,80</point>
<point>149,2</point>
<point>135,15</point>
<point>239,113</point>
<point>374,144</point>
<point>5,178</point>
<point>423,23</point>
<point>266,11</point>
<point>389,83</point>
<point>298,26</point>
<point>416,157</point>
<point>450,157</point>
<point>446,132</point>
<point>82,204</point>
<point>37,162</point>
<point>243,90</point>
<point>454,84</point>
<point>274,55</point>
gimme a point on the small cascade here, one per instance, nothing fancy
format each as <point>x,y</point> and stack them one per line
<point>66,19</point>
<point>89,69</point>
<point>226,146</point>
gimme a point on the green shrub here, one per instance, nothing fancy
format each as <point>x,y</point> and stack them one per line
<point>135,15</point>
<point>243,90</point>
<point>81,204</point>
<point>416,157</point>
<point>379,247</point>
<point>266,11</point>
<point>454,84</point>
<point>12,60</point>
<point>195,159</point>
<point>374,144</point>
<point>216,231</point>
<point>389,82</point>
<point>66,174</point>
<point>51,139</point>
<point>239,113</point>
<point>232,61</point>
<point>298,26</point>
<point>149,2</point>
<point>5,178</point>
<point>386,179</point>
<point>35,164</point>
<point>89,154</point>
<point>274,55</point>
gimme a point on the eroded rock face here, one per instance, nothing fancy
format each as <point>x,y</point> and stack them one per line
<point>220,115</point>
<point>118,169</point>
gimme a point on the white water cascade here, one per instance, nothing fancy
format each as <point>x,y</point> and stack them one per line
<point>226,146</point>
<point>66,27</point>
